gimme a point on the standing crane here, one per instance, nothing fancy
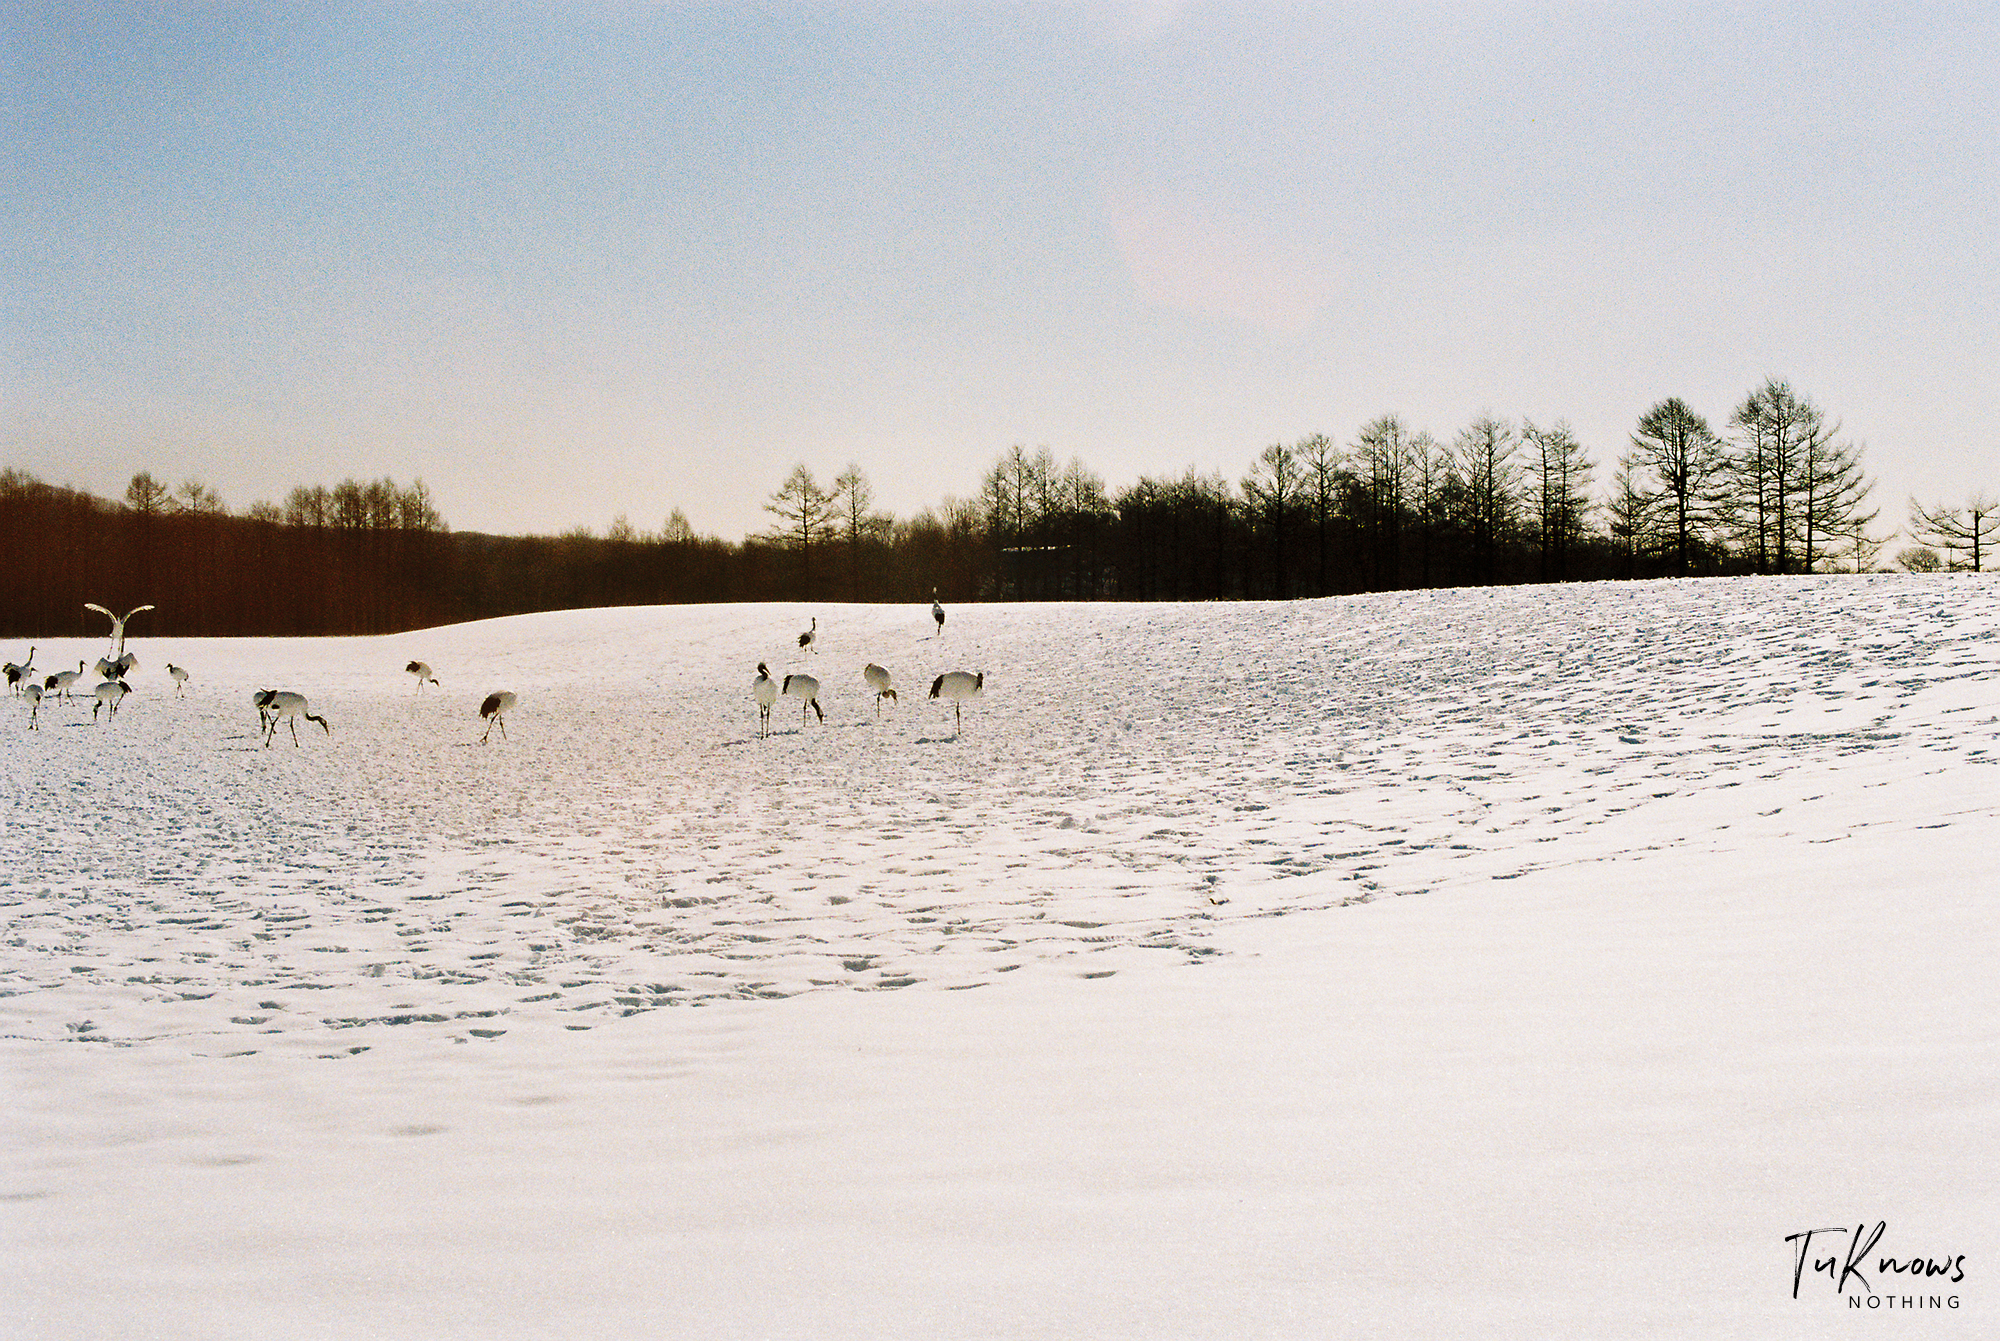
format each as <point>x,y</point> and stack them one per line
<point>879,681</point>
<point>765,690</point>
<point>806,689</point>
<point>960,687</point>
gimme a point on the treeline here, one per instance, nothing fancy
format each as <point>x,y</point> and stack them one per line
<point>1775,489</point>
<point>368,557</point>
<point>356,558</point>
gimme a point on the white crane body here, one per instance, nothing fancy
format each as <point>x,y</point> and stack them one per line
<point>806,689</point>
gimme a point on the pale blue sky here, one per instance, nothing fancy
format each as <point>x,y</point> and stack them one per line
<point>566,262</point>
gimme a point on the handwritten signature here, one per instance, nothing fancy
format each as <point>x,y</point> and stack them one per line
<point>1852,1257</point>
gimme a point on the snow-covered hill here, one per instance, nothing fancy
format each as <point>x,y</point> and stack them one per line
<point>394,1034</point>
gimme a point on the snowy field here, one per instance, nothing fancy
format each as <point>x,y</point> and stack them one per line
<point>1516,963</point>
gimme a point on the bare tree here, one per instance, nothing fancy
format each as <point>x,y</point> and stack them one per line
<point>350,505</point>
<point>1778,433</point>
<point>1560,471</point>
<point>1431,482</point>
<point>1017,495</point>
<point>1866,549</point>
<point>416,510</point>
<point>1831,492</point>
<point>196,499</point>
<point>1632,510</point>
<point>1083,516</point>
<point>1688,459</point>
<point>1271,492</point>
<point>146,495</point>
<point>1323,465</point>
<point>1381,457</point>
<point>852,500</point>
<point>1962,530</point>
<point>1485,450</point>
<point>805,516</point>
<point>309,506</point>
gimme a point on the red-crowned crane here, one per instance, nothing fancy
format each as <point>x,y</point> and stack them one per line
<point>17,675</point>
<point>765,690</point>
<point>109,695</point>
<point>117,624</point>
<point>117,668</point>
<point>879,681</point>
<point>422,671</point>
<point>288,707</point>
<point>959,687</point>
<point>810,638</point>
<point>495,709</point>
<point>180,677</point>
<point>805,689</point>
<point>63,681</point>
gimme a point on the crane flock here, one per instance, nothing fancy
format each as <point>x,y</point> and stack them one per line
<point>276,706</point>
<point>956,687</point>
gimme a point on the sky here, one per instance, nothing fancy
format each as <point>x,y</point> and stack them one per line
<point>567,263</point>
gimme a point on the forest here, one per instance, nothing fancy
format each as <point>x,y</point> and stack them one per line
<point>1775,490</point>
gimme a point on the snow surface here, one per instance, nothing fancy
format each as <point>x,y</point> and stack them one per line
<point>1103,1017</point>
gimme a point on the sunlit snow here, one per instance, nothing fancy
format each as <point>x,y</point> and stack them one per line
<point>1505,962</point>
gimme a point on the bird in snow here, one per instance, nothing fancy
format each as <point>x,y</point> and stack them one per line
<point>119,667</point>
<point>960,687</point>
<point>765,690</point>
<point>879,681</point>
<point>810,637</point>
<point>63,681</point>
<point>109,695</point>
<point>288,707</point>
<point>117,624</point>
<point>495,709</point>
<point>17,674</point>
<point>806,689</point>
<point>423,672</point>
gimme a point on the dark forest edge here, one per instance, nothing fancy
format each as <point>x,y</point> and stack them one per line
<point>1502,503</point>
